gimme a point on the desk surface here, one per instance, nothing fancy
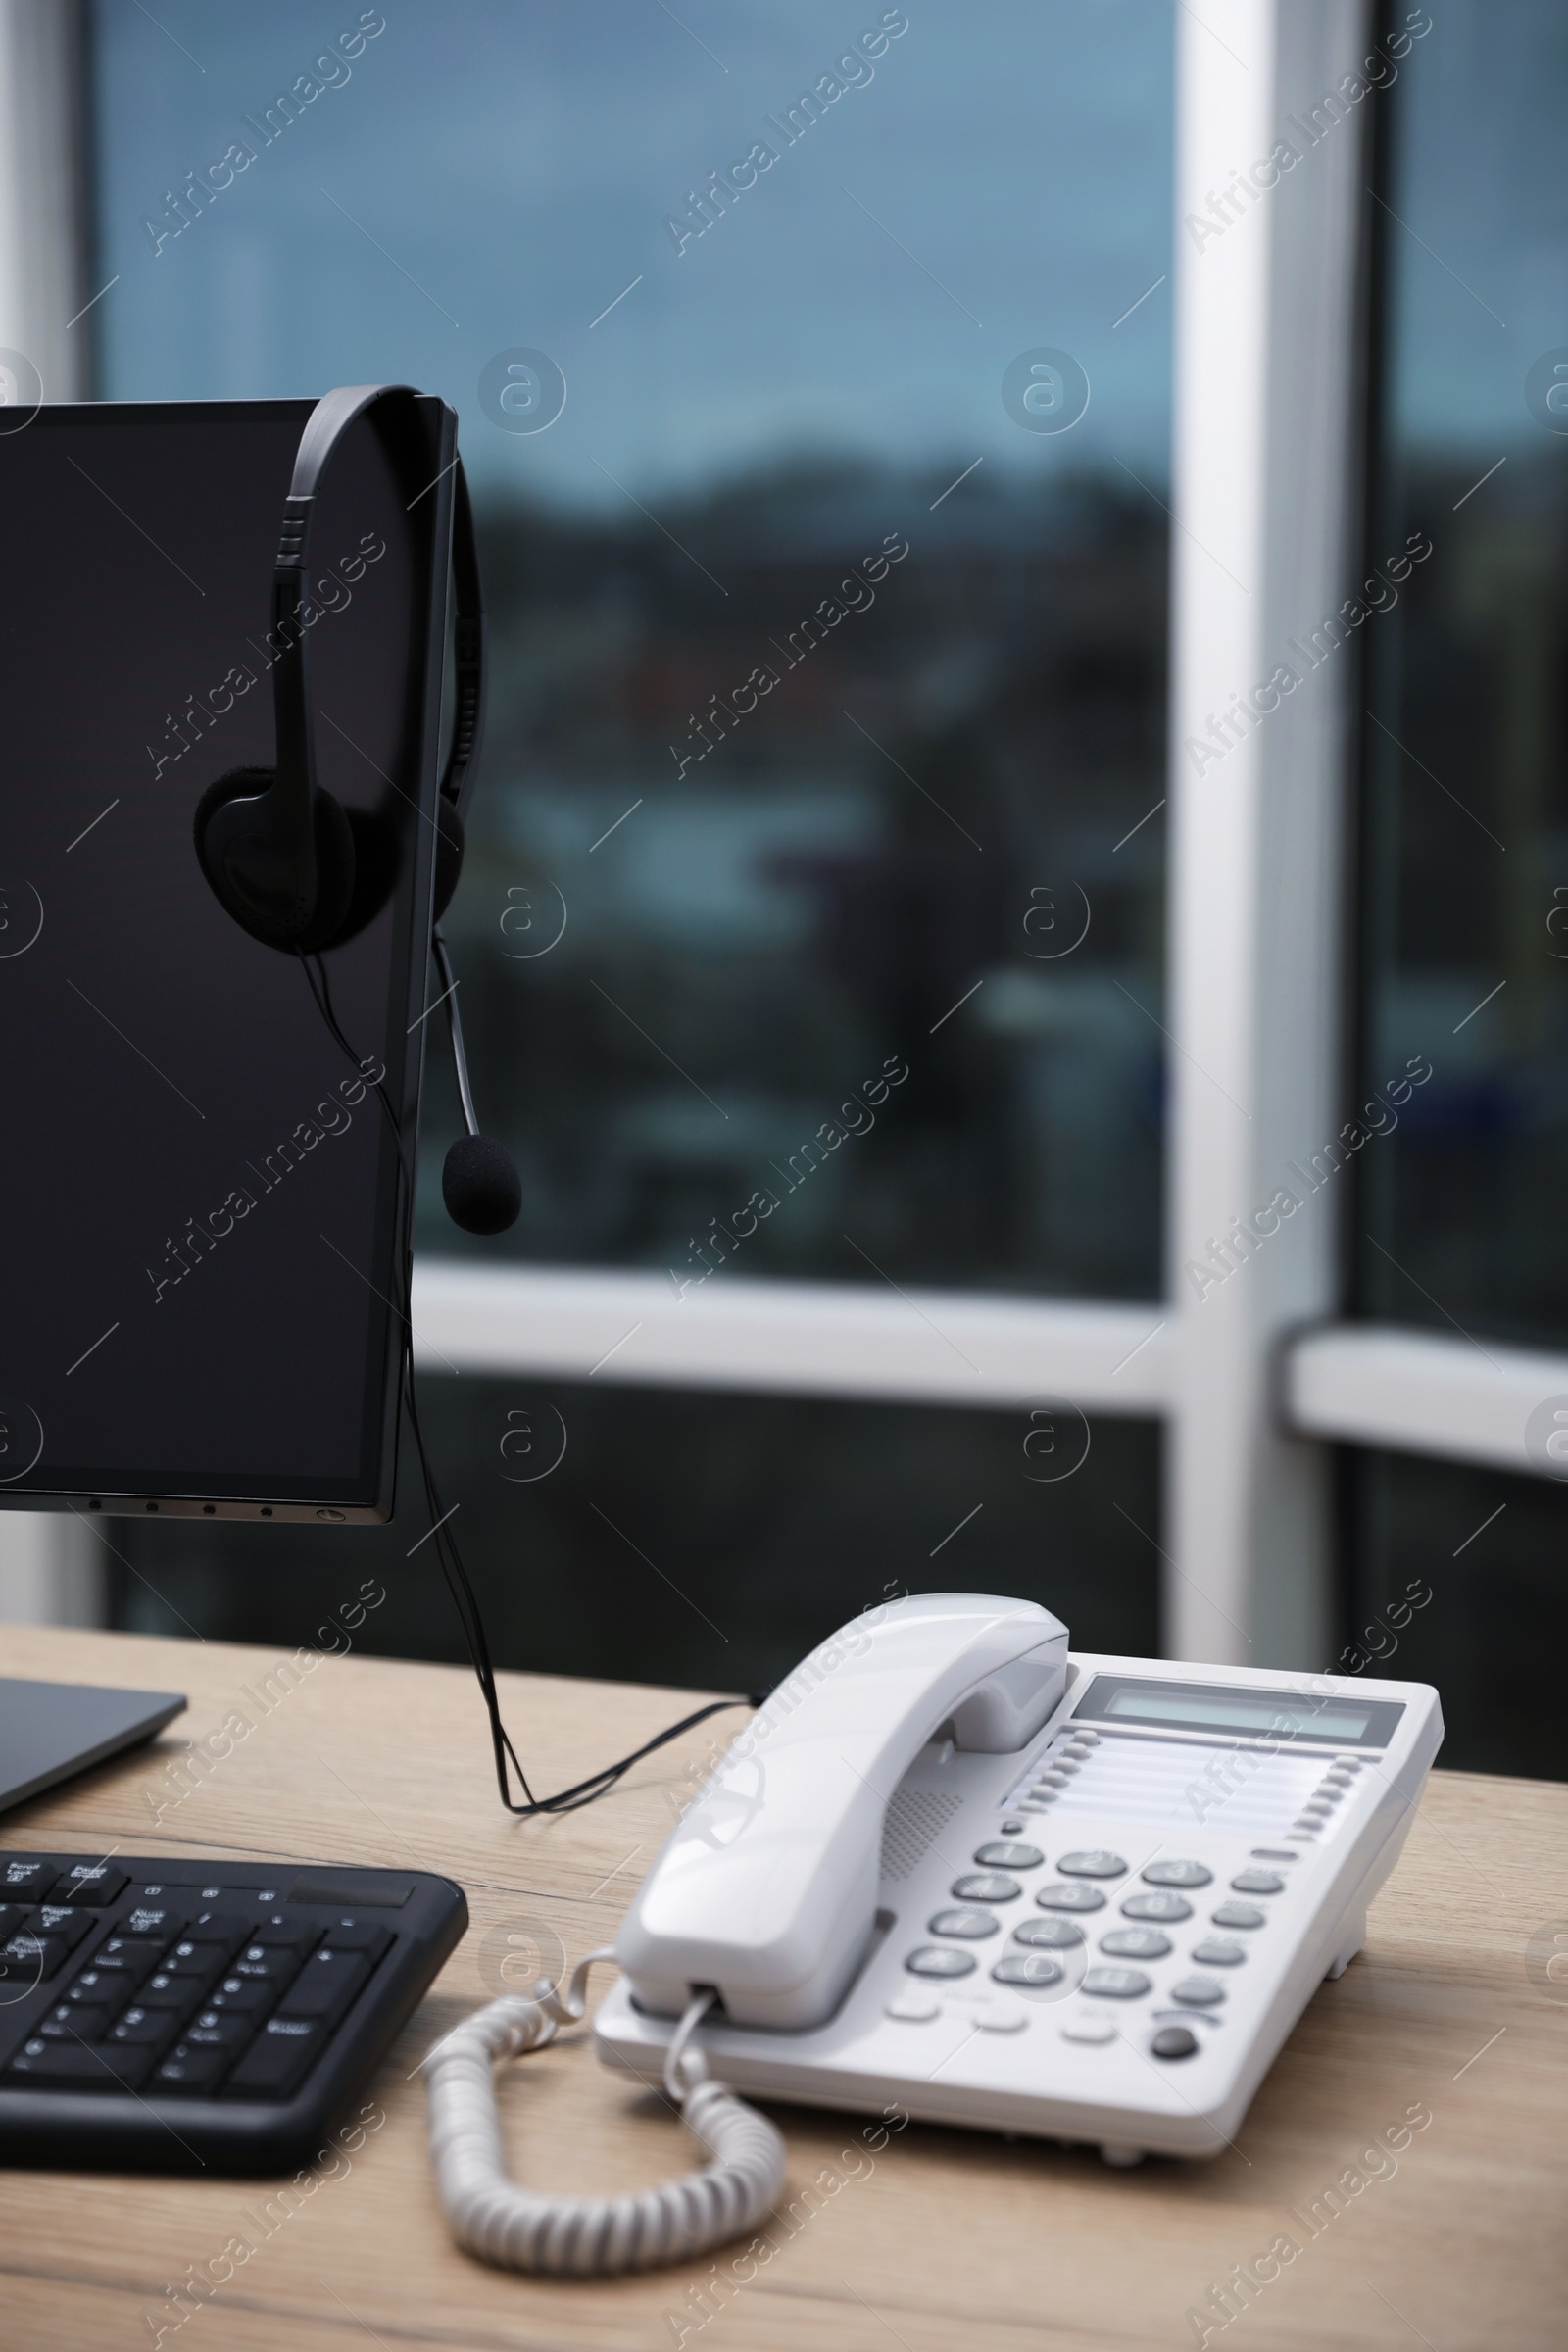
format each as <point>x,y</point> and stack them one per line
<point>949,2238</point>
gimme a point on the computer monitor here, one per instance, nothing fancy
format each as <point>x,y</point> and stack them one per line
<point>201,1191</point>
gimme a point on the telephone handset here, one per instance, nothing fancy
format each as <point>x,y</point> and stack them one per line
<point>951,1866</point>
<point>768,1890</point>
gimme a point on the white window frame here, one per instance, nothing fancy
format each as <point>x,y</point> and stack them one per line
<point>1252,1377</point>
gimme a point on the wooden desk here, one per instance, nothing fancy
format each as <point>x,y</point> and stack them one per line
<point>945,2240</point>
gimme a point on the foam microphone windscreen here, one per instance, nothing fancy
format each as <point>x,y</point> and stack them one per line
<point>480,1185</point>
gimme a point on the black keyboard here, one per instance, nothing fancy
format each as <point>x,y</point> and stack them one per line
<point>177,2016</point>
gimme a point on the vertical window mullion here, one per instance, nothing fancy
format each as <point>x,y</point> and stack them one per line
<point>1266,658</point>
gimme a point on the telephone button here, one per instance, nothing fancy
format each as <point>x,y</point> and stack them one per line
<point>1089,2026</point>
<point>1005,1855</point>
<point>913,2007</point>
<point>1174,2041</point>
<point>1135,1944</point>
<point>1002,2017</point>
<point>1027,1968</point>
<point>1257,1881</point>
<point>1048,1935</point>
<point>936,1960</point>
<point>972,1924</point>
<point>1219,1951</point>
<point>1177,1873</point>
<point>988,1886</point>
<point>1238,1915</point>
<point>1070,1898</point>
<point>1097,1864</point>
<point>1156,1906</point>
<point>1116,1984</point>
<point>1198,1992</point>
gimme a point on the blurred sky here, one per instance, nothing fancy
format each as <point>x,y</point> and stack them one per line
<point>516,158</point>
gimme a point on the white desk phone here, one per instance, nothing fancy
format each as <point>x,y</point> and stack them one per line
<point>951,1867</point>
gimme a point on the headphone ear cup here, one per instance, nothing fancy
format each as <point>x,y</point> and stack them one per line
<point>239,784</point>
<point>335,875</point>
<point>449,847</point>
<point>230,836</point>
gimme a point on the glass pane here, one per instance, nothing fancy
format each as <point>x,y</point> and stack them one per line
<point>1466,905</point>
<point>681,1537</point>
<point>811,920</point>
<point>1459,1582</point>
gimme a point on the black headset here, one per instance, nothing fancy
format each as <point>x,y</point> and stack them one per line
<point>296,869</point>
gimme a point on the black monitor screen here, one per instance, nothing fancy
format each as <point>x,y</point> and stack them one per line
<point>199,1189</point>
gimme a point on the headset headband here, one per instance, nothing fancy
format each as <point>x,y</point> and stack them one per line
<point>325,432</point>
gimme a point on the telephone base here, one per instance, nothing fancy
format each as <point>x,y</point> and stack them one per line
<point>1104,1937</point>
<point>1354,1939</point>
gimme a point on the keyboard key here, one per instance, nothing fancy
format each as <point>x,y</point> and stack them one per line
<point>357,1935</point>
<point>93,1883</point>
<point>150,2028</point>
<point>220,2030</point>
<point>261,1964</point>
<point>76,2022</point>
<point>128,1956</point>
<point>22,1967</point>
<point>13,1916</point>
<point>55,1919</point>
<point>325,1985</point>
<point>278,2059</point>
<point>92,1988</point>
<point>283,1934</point>
<point>79,2066</point>
<point>31,1959</point>
<point>246,1997</point>
<point>154,1919</point>
<point>190,2073</point>
<point>27,1882</point>
<point>202,1959</point>
<point>165,1990</point>
<point>229,1928</point>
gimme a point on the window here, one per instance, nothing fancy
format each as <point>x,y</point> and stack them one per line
<point>813,918</point>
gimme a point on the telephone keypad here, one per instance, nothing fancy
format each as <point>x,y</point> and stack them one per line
<point>970,1923</point>
<point>1116,1984</point>
<point>1028,1968</point>
<point>1238,1915</point>
<point>939,1960</point>
<point>1070,1898</point>
<point>1219,1951</point>
<point>1136,1943</point>
<point>1156,1906</point>
<point>1006,1856</point>
<point>988,1886</point>
<point>1177,1873</point>
<point>1048,1935</point>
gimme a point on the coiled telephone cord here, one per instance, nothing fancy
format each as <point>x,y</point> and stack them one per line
<point>589,2238</point>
